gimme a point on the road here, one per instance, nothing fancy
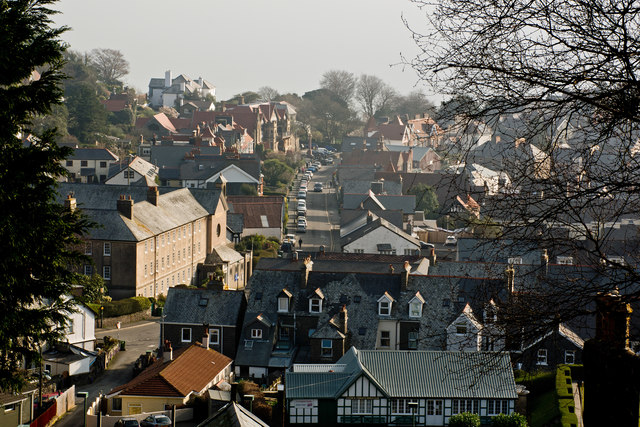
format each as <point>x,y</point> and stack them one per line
<point>323,219</point>
<point>140,337</point>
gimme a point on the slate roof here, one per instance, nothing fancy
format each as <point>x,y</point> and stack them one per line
<point>235,222</point>
<point>92,154</point>
<point>223,254</point>
<point>192,369</point>
<point>421,374</point>
<point>370,226</point>
<point>363,187</point>
<point>176,207</point>
<point>405,203</point>
<point>200,306</point>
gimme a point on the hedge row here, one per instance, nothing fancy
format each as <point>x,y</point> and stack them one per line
<point>565,395</point>
<point>122,307</point>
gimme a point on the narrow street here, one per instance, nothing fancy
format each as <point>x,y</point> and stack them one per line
<point>140,337</point>
<point>323,218</point>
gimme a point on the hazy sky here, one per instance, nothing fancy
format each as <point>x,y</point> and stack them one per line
<point>241,45</point>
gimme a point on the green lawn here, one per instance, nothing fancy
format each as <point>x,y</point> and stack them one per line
<point>544,409</point>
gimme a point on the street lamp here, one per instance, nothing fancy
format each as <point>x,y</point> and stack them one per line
<point>413,406</point>
<point>102,316</point>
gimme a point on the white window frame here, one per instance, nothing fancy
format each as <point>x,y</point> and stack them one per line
<point>459,406</point>
<point>214,337</point>
<point>315,305</point>
<point>88,270</point>
<point>182,333</point>
<point>106,249</point>
<point>88,248</point>
<point>106,272</point>
<point>401,406</point>
<point>361,406</point>
<point>384,307</point>
<point>256,333</point>
<point>388,338</point>
<point>283,305</point>
<point>412,312</point>
<point>542,357</point>
<point>570,354</point>
<point>497,406</point>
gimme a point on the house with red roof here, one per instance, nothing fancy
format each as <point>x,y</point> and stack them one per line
<point>172,380</point>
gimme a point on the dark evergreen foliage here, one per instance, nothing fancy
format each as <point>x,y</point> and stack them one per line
<point>38,234</point>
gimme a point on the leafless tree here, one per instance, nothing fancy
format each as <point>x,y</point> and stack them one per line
<point>341,83</point>
<point>554,103</point>
<point>110,65</point>
<point>268,93</point>
<point>373,94</point>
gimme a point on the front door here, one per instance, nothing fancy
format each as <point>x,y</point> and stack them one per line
<point>435,412</point>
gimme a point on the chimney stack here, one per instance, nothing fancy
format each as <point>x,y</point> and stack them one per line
<point>612,320</point>
<point>152,195</point>
<point>432,257</point>
<point>404,279</point>
<point>125,206</point>
<point>241,100</point>
<point>510,274</point>
<point>205,337</point>
<point>70,203</point>
<point>307,265</point>
<point>344,319</point>
<point>223,107</point>
<point>544,261</point>
<point>167,78</point>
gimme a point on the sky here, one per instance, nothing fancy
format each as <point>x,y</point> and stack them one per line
<point>242,45</point>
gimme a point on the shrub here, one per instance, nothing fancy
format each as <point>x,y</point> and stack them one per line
<point>513,420</point>
<point>125,306</point>
<point>465,419</point>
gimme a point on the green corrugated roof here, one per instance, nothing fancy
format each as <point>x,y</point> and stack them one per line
<point>422,374</point>
<point>441,373</point>
<point>313,385</point>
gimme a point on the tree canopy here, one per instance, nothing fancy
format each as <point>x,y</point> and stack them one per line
<point>38,234</point>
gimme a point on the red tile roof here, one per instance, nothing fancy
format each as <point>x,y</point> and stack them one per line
<point>192,370</point>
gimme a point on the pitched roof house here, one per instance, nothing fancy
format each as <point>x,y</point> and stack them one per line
<point>172,381</point>
<point>400,388</point>
<point>188,312</point>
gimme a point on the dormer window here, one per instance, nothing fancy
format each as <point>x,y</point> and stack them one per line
<point>315,301</point>
<point>461,329</point>
<point>415,306</point>
<point>384,305</point>
<point>315,305</point>
<point>283,305</point>
<point>284,299</point>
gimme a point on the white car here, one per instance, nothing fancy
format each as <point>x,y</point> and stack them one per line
<point>450,241</point>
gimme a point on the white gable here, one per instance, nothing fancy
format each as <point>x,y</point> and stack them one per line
<point>233,174</point>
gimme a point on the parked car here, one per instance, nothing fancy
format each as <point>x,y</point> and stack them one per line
<point>302,220</point>
<point>302,194</point>
<point>156,421</point>
<point>318,187</point>
<point>302,228</point>
<point>450,241</point>
<point>312,169</point>
<point>127,422</point>
<point>302,210</point>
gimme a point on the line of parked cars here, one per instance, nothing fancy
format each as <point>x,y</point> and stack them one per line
<point>153,420</point>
